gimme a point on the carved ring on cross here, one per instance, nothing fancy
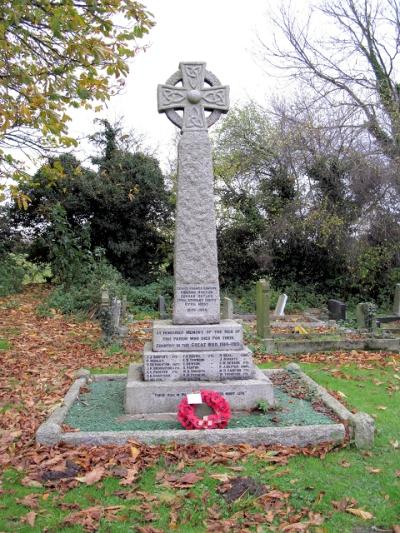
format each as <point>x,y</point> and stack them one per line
<point>192,97</point>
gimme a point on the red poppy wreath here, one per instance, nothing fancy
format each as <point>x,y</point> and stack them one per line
<point>218,420</point>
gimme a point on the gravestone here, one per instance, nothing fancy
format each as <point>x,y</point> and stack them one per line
<point>227,308</point>
<point>111,315</point>
<point>396,301</point>
<point>336,310</point>
<point>162,309</point>
<point>196,349</point>
<point>365,314</point>
<point>262,308</point>
<point>280,305</point>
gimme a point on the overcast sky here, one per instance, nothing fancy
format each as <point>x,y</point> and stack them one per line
<point>223,33</point>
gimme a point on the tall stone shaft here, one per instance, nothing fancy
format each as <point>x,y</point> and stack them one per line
<point>196,263</point>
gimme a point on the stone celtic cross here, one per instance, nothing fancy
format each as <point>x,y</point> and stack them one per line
<point>193,98</point>
<point>194,90</point>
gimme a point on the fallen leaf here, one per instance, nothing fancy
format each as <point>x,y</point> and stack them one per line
<point>30,500</point>
<point>365,515</point>
<point>93,476</point>
<point>29,518</point>
<point>221,477</point>
<point>135,452</point>
<point>344,504</point>
<point>87,518</point>
<point>238,468</point>
<point>130,477</point>
<point>373,470</point>
<point>189,479</point>
<point>381,407</point>
<point>277,494</point>
<point>28,482</point>
<point>173,519</point>
<point>282,473</point>
<point>394,443</point>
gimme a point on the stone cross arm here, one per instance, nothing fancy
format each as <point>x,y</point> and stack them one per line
<point>192,97</point>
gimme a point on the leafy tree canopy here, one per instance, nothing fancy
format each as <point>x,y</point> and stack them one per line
<point>57,54</point>
<point>123,206</point>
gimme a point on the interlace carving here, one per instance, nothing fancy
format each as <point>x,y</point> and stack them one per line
<point>193,98</point>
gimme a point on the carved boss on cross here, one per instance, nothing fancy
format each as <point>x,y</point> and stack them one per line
<point>193,98</point>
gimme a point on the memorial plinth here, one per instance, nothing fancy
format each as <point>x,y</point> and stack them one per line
<point>196,350</point>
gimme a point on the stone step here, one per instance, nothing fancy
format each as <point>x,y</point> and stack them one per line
<point>164,396</point>
<point>169,337</point>
<point>197,365</point>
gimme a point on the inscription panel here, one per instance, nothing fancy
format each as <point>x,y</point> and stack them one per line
<point>228,335</point>
<point>196,304</point>
<point>198,366</point>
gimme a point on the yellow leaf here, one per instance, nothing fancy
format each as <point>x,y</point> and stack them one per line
<point>134,452</point>
<point>365,515</point>
<point>301,330</point>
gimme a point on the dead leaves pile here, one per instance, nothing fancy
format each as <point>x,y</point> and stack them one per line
<point>363,359</point>
<point>37,370</point>
<point>63,468</point>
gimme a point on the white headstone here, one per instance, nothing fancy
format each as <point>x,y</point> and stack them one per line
<point>280,305</point>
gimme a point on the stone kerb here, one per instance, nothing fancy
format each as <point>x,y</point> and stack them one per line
<point>361,425</point>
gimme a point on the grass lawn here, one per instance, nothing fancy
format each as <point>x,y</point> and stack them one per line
<point>4,344</point>
<point>177,488</point>
<point>370,478</point>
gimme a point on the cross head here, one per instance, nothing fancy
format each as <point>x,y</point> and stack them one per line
<point>193,97</point>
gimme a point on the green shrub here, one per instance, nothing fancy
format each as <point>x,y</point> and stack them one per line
<point>43,310</point>
<point>11,275</point>
<point>299,297</point>
<point>144,298</point>
<point>303,296</point>
<point>386,295</point>
<point>244,297</point>
<point>83,293</point>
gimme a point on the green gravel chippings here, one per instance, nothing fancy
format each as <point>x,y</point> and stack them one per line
<point>99,409</point>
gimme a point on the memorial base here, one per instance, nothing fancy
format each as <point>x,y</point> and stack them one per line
<point>198,365</point>
<point>142,397</point>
